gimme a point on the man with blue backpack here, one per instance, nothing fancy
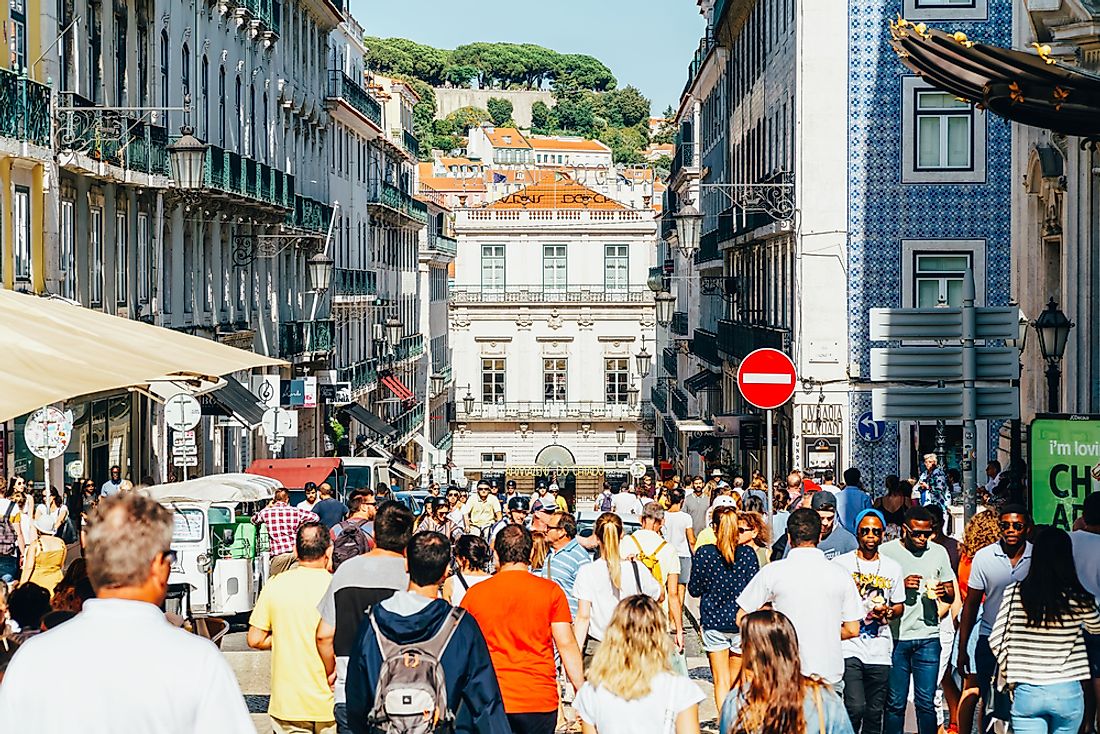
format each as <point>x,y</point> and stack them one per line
<point>420,665</point>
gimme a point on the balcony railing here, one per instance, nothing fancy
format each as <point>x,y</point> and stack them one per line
<point>736,339</point>
<point>306,337</point>
<point>264,14</point>
<point>106,135</point>
<point>354,282</point>
<point>679,325</point>
<point>670,362</point>
<point>679,400</point>
<point>409,421</point>
<point>659,396</point>
<point>704,345</point>
<point>231,173</point>
<point>540,294</point>
<point>396,200</point>
<point>24,109</point>
<point>411,346</point>
<point>308,213</point>
<point>361,375</point>
<point>541,218</point>
<point>342,86</point>
<point>411,143</point>
<point>706,43</point>
<point>577,410</point>
<point>708,248</point>
<point>684,158</point>
<point>442,243</point>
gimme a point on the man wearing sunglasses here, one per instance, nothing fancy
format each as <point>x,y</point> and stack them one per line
<point>929,590</point>
<point>867,658</point>
<point>993,569</point>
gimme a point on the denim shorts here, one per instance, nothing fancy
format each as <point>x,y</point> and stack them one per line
<point>715,641</point>
<point>685,570</point>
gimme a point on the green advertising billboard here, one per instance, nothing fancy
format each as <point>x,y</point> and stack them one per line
<point>1063,452</point>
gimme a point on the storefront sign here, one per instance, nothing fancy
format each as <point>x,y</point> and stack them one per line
<point>822,454</point>
<point>1063,453</point>
<point>821,419</point>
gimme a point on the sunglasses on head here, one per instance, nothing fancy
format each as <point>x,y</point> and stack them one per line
<point>1014,525</point>
<point>870,531</point>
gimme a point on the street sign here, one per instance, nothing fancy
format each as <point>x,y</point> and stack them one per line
<point>943,363</point>
<point>191,450</point>
<point>267,389</point>
<point>766,378</point>
<point>185,461</point>
<point>930,324</point>
<point>942,403</point>
<point>184,438</point>
<point>637,470</point>
<point>75,469</point>
<point>309,392</point>
<point>48,432</point>
<point>278,423</point>
<point>182,412</point>
<point>869,429</point>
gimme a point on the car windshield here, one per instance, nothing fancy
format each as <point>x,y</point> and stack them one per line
<point>358,477</point>
<point>188,525</point>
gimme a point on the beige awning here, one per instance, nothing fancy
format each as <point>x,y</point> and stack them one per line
<point>54,351</point>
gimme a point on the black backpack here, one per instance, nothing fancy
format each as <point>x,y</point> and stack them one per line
<point>352,540</point>
<point>412,691</point>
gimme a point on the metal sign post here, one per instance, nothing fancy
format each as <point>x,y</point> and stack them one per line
<point>766,379</point>
<point>769,457</point>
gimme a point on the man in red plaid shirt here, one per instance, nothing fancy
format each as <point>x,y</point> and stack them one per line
<point>282,523</point>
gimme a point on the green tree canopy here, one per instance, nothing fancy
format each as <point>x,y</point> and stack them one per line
<point>625,107</point>
<point>461,120</point>
<point>500,110</point>
<point>400,56</point>
<point>543,120</point>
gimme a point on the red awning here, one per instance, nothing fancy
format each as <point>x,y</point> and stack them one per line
<point>397,387</point>
<point>294,473</point>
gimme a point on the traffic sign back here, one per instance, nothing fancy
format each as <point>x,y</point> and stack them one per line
<point>766,378</point>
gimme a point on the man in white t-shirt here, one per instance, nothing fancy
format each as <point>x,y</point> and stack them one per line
<point>868,657</point>
<point>648,547</point>
<point>626,505</point>
<point>677,530</point>
<point>816,595</point>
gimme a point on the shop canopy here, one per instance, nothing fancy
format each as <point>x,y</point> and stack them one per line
<point>55,351</point>
<point>1026,87</point>
<point>296,473</point>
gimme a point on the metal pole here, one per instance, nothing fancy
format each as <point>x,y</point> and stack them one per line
<point>1054,379</point>
<point>969,399</point>
<point>768,454</point>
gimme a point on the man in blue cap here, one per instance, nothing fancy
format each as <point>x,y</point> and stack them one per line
<point>867,658</point>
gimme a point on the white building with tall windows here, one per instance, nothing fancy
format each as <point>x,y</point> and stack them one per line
<point>549,309</point>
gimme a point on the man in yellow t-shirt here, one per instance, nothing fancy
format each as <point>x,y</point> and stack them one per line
<point>483,510</point>
<point>285,621</point>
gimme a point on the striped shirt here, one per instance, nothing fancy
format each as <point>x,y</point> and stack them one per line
<point>1041,655</point>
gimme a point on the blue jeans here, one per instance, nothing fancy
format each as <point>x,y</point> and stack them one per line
<point>340,712</point>
<point>919,659</point>
<point>1057,708</point>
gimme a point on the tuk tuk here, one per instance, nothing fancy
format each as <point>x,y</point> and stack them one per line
<point>221,556</point>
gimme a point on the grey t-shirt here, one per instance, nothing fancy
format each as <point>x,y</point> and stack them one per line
<point>697,507</point>
<point>920,620</point>
<point>358,584</point>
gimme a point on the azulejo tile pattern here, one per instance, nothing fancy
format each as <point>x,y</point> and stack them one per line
<point>883,211</point>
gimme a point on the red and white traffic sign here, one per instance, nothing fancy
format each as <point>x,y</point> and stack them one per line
<point>766,378</point>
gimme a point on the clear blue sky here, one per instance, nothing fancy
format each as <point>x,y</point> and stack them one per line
<point>647,43</point>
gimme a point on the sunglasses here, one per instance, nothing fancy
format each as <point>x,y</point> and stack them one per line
<point>921,533</point>
<point>1012,525</point>
<point>871,531</point>
<point>742,529</point>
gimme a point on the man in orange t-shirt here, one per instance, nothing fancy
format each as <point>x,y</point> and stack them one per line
<point>523,617</point>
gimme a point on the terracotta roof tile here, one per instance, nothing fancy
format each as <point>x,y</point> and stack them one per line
<point>562,195</point>
<point>580,145</point>
<point>506,137</point>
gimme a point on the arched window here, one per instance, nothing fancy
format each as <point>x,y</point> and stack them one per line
<point>240,117</point>
<point>221,106</point>
<point>252,121</point>
<point>204,92</point>
<point>185,72</point>
<point>164,68</point>
<point>263,132</point>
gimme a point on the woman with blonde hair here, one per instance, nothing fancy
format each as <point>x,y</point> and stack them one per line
<point>601,585</point>
<point>630,686</point>
<point>540,550</point>
<point>719,574</point>
<point>770,695</point>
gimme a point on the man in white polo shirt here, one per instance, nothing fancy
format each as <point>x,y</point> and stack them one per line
<point>817,595</point>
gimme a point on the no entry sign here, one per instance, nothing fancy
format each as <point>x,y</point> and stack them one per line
<point>766,378</point>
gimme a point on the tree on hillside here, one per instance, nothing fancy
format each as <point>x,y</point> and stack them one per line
<point>500,110</point>
<point>626,143</point>
<point>625,107</point>
<point>460,75</point>
<point>580,71</point>
<point>400,56</point>
<point>666,133</point>
<point>461,120</point>
<point>543,120</point>
<point>576,114</point>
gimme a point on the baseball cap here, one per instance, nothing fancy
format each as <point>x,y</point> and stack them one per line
<point>823,500</point>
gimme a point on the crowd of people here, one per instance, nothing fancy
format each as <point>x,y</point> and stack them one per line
<point>820,608</point>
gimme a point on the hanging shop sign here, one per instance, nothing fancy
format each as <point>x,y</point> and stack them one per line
<point>1063,452</point>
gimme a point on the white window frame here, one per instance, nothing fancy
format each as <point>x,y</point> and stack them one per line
<point>21,234</point>
<point>910,173</point>
<point>616,267</point>
<point>945,10</point>
<point>95,255</point>
<point>555,379</point>
<point>617,380</point>
<point>66,249</point>
<point>974,249</point>
<point>494,267</point>
<point>143,259</point>
<point>961,111</point>
<point>122,256</point>
<point>555,268</point>
<point>489,394</point>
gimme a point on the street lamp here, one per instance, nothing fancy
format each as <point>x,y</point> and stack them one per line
<point>664,302</point>
<point>656,280</point>
<point>1053,328</point>
<point>632,395</point>
<point>393,327</point>
<point>468,401</point>
<point>620,435</point>
<point>437,381</point>
<point>186,156</point>
<point>689,226</point>
<point>320,272</point>
<point>643,362</point>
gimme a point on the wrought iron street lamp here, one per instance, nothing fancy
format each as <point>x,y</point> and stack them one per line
<point>1053,328</point>
<point>643,360</point>
<point>632,395</point>
<point>620,435</point>
<point>468,401</point>
<point>664,302</point>
<point>186,156</point>
<point>689,227</point>
<point>393,327</point>
<point>320,272</point>
<point>437,381</point>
